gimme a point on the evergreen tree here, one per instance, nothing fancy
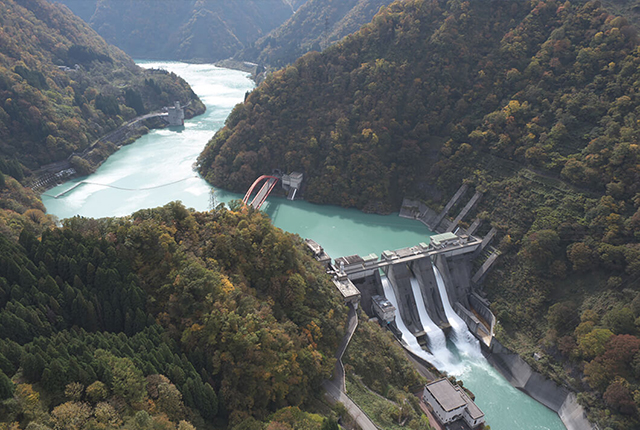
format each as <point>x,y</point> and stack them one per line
<point>209,407</point>
<point>329,424</point>
<point>6,386</point>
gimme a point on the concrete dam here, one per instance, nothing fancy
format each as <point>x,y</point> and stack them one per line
<point>428,296</point>
<point>413,273</point>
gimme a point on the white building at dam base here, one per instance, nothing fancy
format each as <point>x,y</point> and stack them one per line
<point>451,403</point>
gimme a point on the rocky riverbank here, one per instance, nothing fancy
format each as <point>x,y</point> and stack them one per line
<point>257,71</point>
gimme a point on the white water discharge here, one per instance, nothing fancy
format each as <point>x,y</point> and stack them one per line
<point>437,338</point>
<point>505,407</point>
<point>407,336</point>
<point>463,339</point>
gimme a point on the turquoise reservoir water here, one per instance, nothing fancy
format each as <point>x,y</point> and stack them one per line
<point>166,157</point>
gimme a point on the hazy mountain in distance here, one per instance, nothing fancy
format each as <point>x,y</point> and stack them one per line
<point>295,4</point>
<point>191,30</point>
<point>82,8</point>
<point>316,25</point>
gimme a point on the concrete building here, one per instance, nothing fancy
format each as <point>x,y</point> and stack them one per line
<point>318,253</point>
<point>294,180</point>
<point>365,266</point>
<point>450,403</point>
<point>175,115</point>
<point>349,292</point>
<point>439,241</point>
<point>292,183</point>
<point>383,308</point>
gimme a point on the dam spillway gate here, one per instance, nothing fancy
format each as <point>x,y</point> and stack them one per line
<point>414,274</point>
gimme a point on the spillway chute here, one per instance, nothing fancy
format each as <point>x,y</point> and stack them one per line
<point>464,341</point>
<point>409,339</point>
<point>437,338</point>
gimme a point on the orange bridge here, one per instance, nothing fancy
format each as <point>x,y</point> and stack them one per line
<point>268,183</point>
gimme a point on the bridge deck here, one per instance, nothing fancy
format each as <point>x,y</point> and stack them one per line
<point>263,192</point>
<point>260,198</point>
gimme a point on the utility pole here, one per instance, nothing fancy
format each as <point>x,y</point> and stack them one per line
<point>212,199</point>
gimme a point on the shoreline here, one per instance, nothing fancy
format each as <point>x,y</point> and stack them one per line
<point>91,158</point>
<point>536,385</point>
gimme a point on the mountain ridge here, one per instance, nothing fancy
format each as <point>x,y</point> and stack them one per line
<point>316,25</point>
<point>193,30</point>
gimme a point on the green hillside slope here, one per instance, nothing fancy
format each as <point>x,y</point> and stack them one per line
<point>169,318</point>
<point>533,103</point>
<point>62,86</point>
<point>354,115</point>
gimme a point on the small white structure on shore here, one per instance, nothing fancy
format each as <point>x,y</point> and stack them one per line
<point>175,115</point>
<point>450,403</point>
<point>291,183</point>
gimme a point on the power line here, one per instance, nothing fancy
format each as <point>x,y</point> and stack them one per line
<point>119,188</point>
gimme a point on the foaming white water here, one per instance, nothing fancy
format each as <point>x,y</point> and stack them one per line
<point>437,338</point>
<point>505,407</point>
<point>407,336</point>
<point>466,343</point>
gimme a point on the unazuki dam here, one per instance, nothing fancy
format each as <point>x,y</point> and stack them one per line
<point>433,294</point>
<point>416,268</point>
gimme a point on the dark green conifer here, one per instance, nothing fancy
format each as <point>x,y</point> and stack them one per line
<point>6,386</point>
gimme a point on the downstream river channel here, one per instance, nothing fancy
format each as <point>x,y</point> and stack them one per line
<point>157,169</point>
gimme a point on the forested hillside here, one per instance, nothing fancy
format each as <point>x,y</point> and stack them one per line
<point>62,86</point>
<point>315,26</point>
<point>533,103</point>
<point>190,30</point>
<point>173,318</point>
<point>167,318</point>
<point>630,9</point>
<point>223,314</point>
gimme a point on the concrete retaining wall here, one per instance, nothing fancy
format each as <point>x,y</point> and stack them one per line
<point>482,307</point>
<point>522,376</point>
<point>417,210</point>
<point>435,223</point>
<point>468,317</point>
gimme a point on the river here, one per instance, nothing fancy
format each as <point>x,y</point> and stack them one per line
<point>166,157</point>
